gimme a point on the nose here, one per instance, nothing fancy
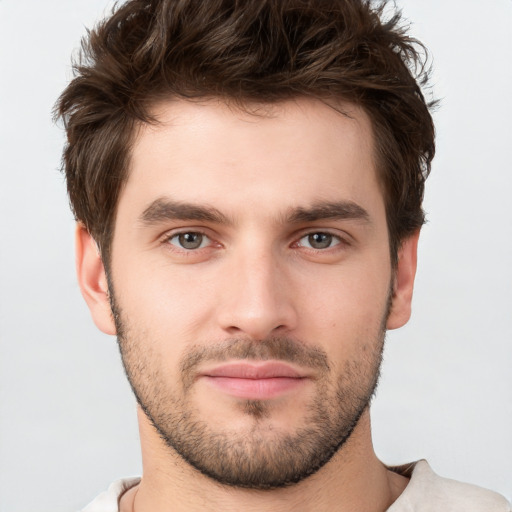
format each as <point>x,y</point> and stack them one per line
<point>257,300</point>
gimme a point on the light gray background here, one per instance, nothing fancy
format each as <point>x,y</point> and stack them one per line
<point>67,424</point>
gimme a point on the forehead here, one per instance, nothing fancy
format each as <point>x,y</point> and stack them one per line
<point>278,156</point>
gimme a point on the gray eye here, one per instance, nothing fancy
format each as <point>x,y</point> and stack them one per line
<point>319,240</point>
<point>189,241</point>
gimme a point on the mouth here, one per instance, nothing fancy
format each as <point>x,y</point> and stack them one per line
<point>255,381</point>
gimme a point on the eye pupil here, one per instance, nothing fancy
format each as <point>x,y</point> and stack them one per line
<point>320,240</point>
<point>190,240</point>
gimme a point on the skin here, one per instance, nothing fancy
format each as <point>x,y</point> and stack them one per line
<point>255,277</point>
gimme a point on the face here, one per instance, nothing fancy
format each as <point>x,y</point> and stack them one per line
<point>251,284</point>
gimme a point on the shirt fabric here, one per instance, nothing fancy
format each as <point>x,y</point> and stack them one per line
<point>425,492</point>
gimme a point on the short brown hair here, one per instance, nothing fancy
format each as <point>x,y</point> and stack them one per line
<point>245,51</point>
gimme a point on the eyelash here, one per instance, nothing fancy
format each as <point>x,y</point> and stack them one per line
<point>339,241</point>
<point>334,238</point>
<point>170,236</point>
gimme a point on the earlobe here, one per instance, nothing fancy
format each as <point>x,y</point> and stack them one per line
<point>93,280</point>
<point>404,282</point>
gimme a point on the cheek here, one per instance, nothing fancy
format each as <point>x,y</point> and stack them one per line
<point>169,302</point>
<point>346,307</point>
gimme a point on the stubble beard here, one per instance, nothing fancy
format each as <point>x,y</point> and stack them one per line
<point>262,457</point>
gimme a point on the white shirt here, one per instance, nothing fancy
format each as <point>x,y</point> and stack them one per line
<point>426,492</point>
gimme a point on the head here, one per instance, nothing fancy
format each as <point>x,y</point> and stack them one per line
<point>252,173</point>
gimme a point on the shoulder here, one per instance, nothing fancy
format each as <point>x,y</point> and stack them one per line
<point>108,501</point>
<point>428,492</point>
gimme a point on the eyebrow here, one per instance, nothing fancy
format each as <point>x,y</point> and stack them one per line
<point>338,210</point>
<point>165,209</point>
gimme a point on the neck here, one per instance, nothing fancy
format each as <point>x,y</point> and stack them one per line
<point>353,480</point>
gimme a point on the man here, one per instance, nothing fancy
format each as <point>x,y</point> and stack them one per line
<point>247,179</point>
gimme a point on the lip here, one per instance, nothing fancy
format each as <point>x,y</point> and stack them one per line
<point>254,370</point>
<point>255,381</point>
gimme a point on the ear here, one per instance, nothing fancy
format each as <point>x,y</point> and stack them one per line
<point>93,280</point>
<point>404,282</point>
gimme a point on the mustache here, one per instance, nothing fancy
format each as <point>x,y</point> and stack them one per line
<point>277,347</point>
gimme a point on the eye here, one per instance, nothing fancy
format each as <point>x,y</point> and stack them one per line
<point>319,241</point>
<point>189,240</point>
